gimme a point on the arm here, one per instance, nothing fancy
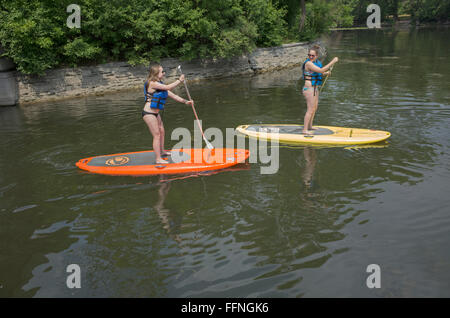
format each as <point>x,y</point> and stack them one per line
<point>164,87</point>
<point>314,68</point>
<point>180,99</point>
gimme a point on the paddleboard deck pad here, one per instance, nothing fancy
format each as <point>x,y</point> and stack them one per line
<point>322,135</point>
<point>180,161</point>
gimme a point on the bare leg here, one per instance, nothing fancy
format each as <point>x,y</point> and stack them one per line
<point>153,126</point>
<point>310,104</point>
<point>162,134</point>
<point>316,105</point>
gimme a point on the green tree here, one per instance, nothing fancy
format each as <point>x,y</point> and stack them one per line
<point>315,19</point>
<point>428,10</point>
<point>341,13</point>
<point>34,33</point>
<point>31,34</point>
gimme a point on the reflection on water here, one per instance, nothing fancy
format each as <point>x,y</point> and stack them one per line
<point>311,229</point>
<point>310,163</point>
<point>164,213</point>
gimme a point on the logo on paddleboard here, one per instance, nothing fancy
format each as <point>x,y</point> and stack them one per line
<point>117,161</point>
<point>270,130</point>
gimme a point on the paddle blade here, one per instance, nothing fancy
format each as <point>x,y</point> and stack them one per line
<point>209,145</point>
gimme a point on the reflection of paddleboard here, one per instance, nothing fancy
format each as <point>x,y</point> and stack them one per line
<point>180,161</point>
<point>357,147</point>
<point>323,135</point>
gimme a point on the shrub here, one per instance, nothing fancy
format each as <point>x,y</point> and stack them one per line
<point>34,33</point>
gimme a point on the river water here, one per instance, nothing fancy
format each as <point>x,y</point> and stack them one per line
<point>309,230</point>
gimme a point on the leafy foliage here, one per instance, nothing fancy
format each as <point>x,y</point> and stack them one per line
<point>428,10</point>
<point>34,33</point>
<point>342,13</point>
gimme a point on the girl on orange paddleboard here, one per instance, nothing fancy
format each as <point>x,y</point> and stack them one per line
<point>156,93</point>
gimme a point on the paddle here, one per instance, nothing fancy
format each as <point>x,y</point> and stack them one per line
<point>195,113</point>
<point>331,69</point>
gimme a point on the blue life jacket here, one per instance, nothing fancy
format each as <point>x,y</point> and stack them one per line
<point>157,98</point>
<point>315,78</point>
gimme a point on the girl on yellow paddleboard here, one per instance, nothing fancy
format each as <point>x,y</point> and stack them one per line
<point>312,74</point>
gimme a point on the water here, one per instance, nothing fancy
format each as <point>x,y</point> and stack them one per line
<point>310,230</point>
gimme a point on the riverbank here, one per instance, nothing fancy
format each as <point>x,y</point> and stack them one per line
<point>112,77</point>
<point>403,21</point>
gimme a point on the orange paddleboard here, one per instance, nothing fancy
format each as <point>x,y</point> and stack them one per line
<point>180,161</point>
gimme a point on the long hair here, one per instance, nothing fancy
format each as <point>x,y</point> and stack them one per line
<point>153,73</point>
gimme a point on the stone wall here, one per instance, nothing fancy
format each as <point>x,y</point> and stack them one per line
<point>81,81</point>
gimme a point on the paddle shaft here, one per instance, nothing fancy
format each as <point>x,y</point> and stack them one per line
<point>193,108</point>
<point>195,113</point>
<point>320,91</point>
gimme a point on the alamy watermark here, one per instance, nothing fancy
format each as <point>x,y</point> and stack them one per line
<point>74,279</point>
<point>261,150</point>
<point>374,20</point>
<point>74,20</point>
<point>374,279</point>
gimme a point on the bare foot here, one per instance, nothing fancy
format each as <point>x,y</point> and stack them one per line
<point>161,161</point>
<point>307,132</point>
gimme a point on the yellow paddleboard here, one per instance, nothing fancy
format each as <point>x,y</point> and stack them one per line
<point>323,135</point>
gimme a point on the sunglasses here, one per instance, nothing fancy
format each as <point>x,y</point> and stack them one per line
<point>311,55</point>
